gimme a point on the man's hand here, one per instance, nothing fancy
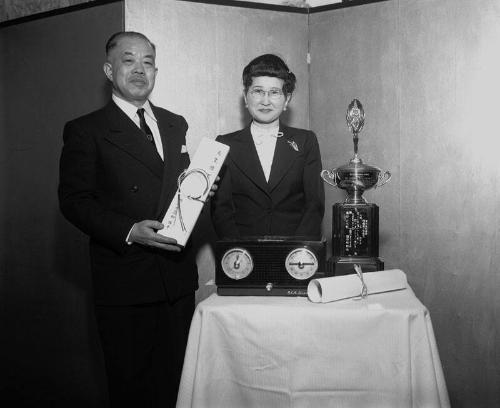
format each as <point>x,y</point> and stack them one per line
<point>144,233</point>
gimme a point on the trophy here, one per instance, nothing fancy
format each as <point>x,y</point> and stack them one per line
<point>355,221</point>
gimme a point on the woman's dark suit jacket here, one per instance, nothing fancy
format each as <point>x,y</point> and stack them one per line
<point>290,204</point>
<point>112,177</point>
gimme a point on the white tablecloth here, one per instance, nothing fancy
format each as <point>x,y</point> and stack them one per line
<point>288,352</point>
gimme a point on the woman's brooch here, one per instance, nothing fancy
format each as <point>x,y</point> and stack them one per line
<point>293,145</point>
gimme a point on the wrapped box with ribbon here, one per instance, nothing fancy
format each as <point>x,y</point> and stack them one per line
<point>357,285</point>
<point>193,187</point>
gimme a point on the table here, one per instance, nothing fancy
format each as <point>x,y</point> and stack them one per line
<point>288,352</point>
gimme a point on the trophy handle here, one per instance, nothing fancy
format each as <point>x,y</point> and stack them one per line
<point>330,177</point>
<point>383,178</point>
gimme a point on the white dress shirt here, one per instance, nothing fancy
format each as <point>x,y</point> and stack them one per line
<point>265,143</point>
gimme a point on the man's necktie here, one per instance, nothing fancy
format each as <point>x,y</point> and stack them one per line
<point>144,126</point>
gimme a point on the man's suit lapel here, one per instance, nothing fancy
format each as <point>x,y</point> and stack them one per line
<point>245,157</point>
<point>124,134</point>
<point>285,154</point>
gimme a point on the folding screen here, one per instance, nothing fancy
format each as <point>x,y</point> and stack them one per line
<point>201,52</point>
<point>427,74</point>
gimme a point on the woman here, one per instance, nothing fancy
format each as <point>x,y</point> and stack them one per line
<point>270,182</point>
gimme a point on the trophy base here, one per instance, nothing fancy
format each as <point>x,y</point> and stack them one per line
<point>344,265</point>
<point>355,230</point>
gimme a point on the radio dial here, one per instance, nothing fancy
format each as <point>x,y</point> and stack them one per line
<point>237,263</point>
<point>301,263</point>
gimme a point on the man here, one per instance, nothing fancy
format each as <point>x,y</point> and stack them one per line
<point>118,173</point>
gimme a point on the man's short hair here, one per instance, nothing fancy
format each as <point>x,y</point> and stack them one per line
<point>113,40</point>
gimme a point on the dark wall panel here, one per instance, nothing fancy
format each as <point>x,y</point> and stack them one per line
<point>51,71</point>
<point>3,157</point>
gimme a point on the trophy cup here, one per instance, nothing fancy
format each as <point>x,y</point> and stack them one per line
<point>355,221</point>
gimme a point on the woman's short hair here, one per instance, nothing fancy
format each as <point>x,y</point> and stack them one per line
<point>272,66</point>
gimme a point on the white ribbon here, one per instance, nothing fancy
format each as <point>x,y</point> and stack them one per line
<point>191,190</point>
<point>364,288</point>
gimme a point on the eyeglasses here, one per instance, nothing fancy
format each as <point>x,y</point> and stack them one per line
<point>273,94</point>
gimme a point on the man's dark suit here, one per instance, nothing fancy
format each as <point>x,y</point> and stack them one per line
<point>290,204</point>
<point>110,178</point>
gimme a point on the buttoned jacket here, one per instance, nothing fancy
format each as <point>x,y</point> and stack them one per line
<point>291,203</point>
<point>111,177</point>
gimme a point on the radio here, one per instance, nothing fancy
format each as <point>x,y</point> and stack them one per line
<point>268,266</point>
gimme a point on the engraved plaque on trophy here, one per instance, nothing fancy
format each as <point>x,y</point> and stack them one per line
<point>355,221</point>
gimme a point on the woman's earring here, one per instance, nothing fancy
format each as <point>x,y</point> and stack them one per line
<point>284,109</point>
